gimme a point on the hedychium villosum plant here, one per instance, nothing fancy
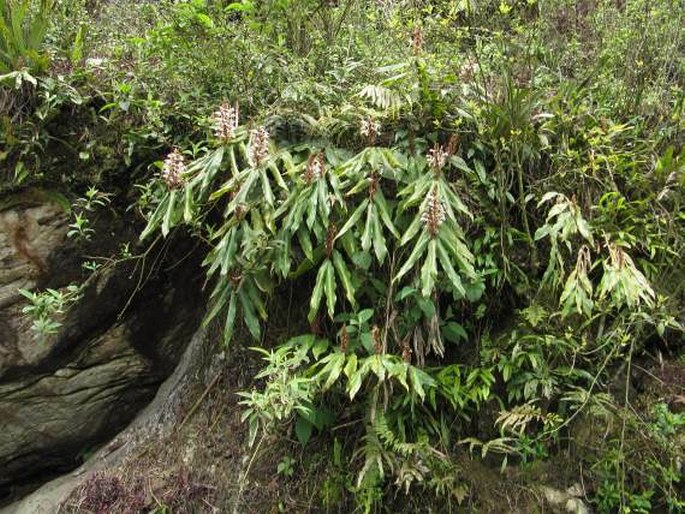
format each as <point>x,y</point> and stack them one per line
<point>374,232</point>
<point>319,210</point>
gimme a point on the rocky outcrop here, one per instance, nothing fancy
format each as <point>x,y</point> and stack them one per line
<point>155,421</point>
<point>63,395</point>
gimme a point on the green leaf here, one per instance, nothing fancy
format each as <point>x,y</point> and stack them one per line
<point>379,241</point>
<point>417,378</point>
<point>230,318</point>
<point>364,316</point>
<point>384,212</point>
<point>223,291</point>
<point>156,217</point>
<point>333,369</point>
<point>352,220</point>
<point>317,293</point>
<point>345,278</point>
<point>429,271</point>
<point>411,231</point>
<point>368,230</point>
<point>319,347</point>
<point>188,209</point>
<point>449,269</point>
<point>454,332</point>
<point>351,366</point>
<point>169,215</point>
<point>414,256</point>
<point>249,314</point>
<point>330,288</point>
<point>303,430</point>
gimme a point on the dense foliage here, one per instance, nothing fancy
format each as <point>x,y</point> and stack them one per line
<point>471,209</point>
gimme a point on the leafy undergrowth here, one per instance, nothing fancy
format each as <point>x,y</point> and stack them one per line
<point>203,466</point>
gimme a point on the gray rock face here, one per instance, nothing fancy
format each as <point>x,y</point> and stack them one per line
<point>62,396</point>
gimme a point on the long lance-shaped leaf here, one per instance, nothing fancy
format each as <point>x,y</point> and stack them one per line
<point>229,326</point>
<point>420,191</point>
<point>168,216</point>
<point>379,240</point>
<point>156,218</point>
<point>245,188</point>
<point>384,211</point>
<point>268,194</point>
<point>188,206</point>
<point>330,288</point>
<point>444,258</point>
<point>317,293</point>
<point>367,235</point>
<point>209,166</point>
<point>222,291</point>
<point>249,314</point>
<point>294,218</point>
<point>415,255</point>
<point>345,277</point>
<point>453,200</point>
<point>250,286</point>
<point>311,203</point>
<point>429,271</point>
<point>231,250</point>
<point>18,11</point>
<point>305,243</point>
<point>323,204</point>
<point>333,368</point>
<point>353,219</point>
<point>233,161</point>
<point>361,185</point>
<point>457,249</point>
<point>283,260</point>
<point>355,382</point>
<point>276,174</point>
<point>411,232</point>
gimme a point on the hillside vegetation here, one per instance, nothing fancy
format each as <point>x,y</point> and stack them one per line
<point>452,230</point>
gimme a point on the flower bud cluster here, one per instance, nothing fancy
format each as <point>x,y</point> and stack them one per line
<point>433,215</point>
<point>225,121</point>
<point>258,148</point>
<point>173,169</point>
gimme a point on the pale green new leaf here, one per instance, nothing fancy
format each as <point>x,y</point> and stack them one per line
<point>429,270</point>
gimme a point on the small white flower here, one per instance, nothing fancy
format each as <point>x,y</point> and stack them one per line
<point>173,169</point>
<point>370,128</point>
<point>434,214</point>
<point>258,148</point>
<point>225,121</point>
<point>437,157</point>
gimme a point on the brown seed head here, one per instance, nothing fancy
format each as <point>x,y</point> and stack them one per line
<point>376,336</point>
<point>315,168</point>
<point>330,238</point>
<point>417,39</point>
<point>406,350</point>
<point>373,184</point>
<point>453,144</point>
<point>344,339</point>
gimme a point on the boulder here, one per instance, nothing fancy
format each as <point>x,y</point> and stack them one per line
<point>63,395</point>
